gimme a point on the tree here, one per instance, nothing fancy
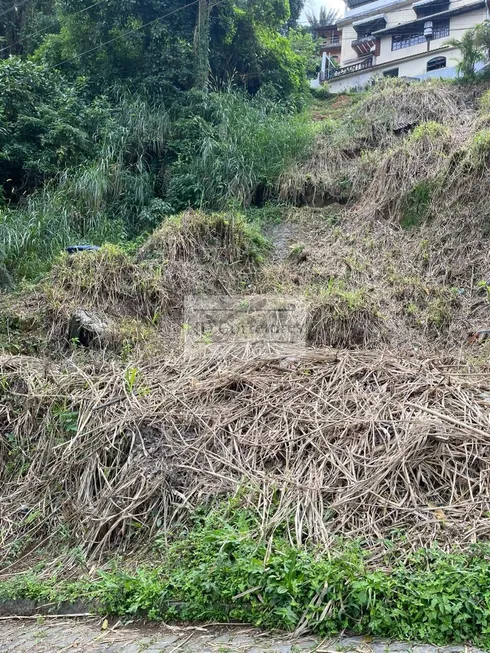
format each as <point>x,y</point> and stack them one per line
<point>302,44</point>
<point>201,40</point>
<point>166,47</point>
<point>482,38</point>
<point>23,24</point>
<point>144,45</point>
<point>43,125</point>
<point>471,54</point>
<point>295,9</point>
<point>248,46</point>
<point>325,16</point>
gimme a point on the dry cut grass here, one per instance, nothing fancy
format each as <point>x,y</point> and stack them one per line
<point>322,443</point>
<point>137,295</point>
<point>348,150</point>
<point>199,252</point>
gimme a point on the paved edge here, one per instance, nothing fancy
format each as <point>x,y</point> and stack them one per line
<point>30,608</point>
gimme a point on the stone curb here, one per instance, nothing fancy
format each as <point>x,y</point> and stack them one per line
<point>31,608</point>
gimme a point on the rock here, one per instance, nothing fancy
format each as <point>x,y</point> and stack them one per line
<point>298,253</point>
<point>88,328</point>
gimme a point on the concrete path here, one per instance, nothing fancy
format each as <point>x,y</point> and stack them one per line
<point>48,635</point>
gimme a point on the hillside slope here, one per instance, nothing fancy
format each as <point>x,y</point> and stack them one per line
<point>377,422</point>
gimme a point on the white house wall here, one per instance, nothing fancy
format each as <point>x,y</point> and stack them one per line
<point>414,68</point>
<point>465,21</point>
<point>412,61</point>
<point>347,53</point>
<point>387,55</point>
<point>456,26</point>
<point>349,82</point>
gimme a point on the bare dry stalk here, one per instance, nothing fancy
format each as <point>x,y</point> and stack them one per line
<point>347,443</point>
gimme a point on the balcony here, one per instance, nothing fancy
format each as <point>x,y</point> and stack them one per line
<point>359,66</point>
<point>364,45</point>
<point>331,40</point>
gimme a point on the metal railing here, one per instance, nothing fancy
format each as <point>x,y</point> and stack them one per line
<point>331,40</point>
<point>347,70</point>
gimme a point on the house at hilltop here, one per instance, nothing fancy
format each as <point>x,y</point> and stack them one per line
<point>401,38</point>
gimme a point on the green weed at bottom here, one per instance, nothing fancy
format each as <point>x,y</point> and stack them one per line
<point>221,571</point>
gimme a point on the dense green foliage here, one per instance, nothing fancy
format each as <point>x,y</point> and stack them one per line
<point>113,118</point>
<point>474,45</point>
<point>140,166</point>
<point>471,54</point>
<point>235,152</point>
<point>221,570</point>
<point>44,125</point>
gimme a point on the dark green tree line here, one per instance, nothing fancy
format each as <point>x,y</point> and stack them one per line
<point>115,113</point>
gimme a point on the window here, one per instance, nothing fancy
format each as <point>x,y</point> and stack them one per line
<point>435,64</point>
<point>441,29</point>
<point>416,35</point>
<point>400,41</point>
<point>393,72</point>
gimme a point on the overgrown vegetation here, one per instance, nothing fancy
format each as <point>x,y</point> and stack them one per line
<point>344,318</point>
<point>147,168</point>
<point>179,138</point>
<point>107,128</point>
<point>220,570</point>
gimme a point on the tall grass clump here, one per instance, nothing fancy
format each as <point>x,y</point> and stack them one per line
<point>111,197</point>
<point>31,236</point>
<point>242,146</point>
<point>205,252</point>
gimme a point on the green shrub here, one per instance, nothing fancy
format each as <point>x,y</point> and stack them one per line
<point>221,570</point>
<point>235,151</point>
<point>322,93</point>
<point>479,148</point>
<point>431,130</point>
<point>485,102</point>
<point>416,204</point>
<point>109,197</point>
<point>44,125</point>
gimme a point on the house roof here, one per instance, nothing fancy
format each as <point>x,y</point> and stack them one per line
<point>401,27</point>
<point>356,3</point>
<point>371,19</point>
<point>367,9</point>
<point>426,3</point>
<point>318,28</point>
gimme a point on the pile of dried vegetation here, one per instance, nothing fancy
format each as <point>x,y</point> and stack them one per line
<point>348,149</point>
<point>410,163</point>
<point>138,296</point>
<point>107,449</point>
<point>201,253</point>
<point>323,444</point>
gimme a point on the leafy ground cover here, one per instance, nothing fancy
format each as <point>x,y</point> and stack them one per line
<point>219,570</point>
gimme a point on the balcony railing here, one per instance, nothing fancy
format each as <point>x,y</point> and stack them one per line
<point>332,73</point>
<point>332,40</point>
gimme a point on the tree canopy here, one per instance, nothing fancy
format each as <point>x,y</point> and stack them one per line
<point>116,113</point>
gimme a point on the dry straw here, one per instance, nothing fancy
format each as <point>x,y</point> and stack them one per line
<point>328,443</point>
